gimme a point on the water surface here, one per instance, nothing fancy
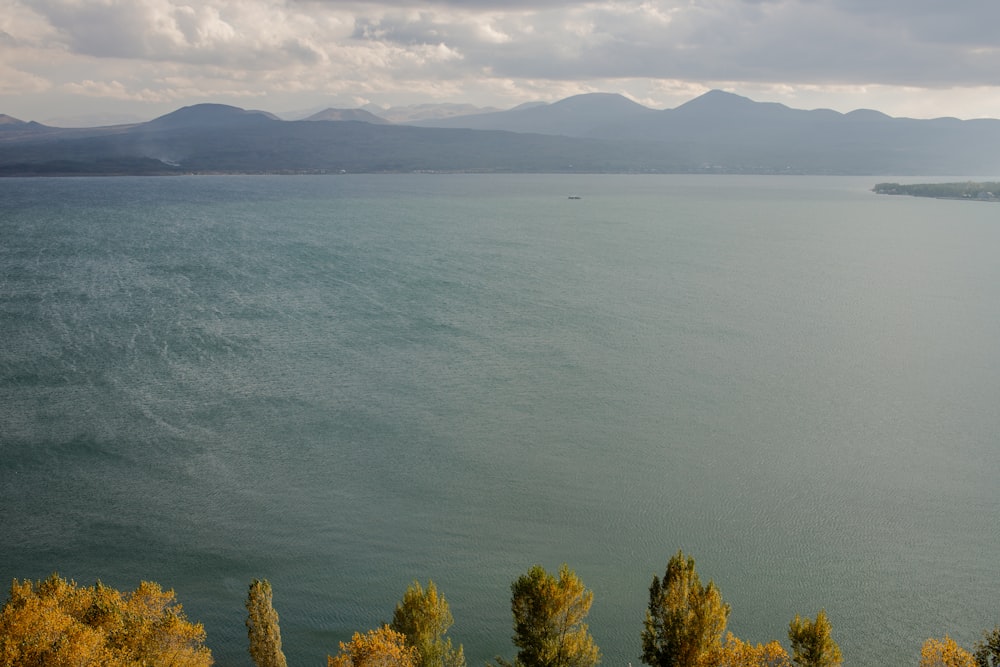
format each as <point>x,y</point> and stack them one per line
<point>343,384</point>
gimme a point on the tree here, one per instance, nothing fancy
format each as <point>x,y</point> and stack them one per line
<point>685,620</point>
<point>988,648</point>
<point>383,647</point>
<point>57,623</point>
<point>738,653</point>
<point>946,653</point>
<point>424,617</point>
<point>548,620</point>
<point>262,627</point>
<point>812,645</point>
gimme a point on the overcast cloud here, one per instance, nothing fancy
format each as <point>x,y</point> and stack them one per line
<point>918,58</point>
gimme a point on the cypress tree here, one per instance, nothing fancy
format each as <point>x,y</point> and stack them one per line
<point>262,627</point>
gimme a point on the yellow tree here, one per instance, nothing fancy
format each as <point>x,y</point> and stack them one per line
<point>812,643</point>
<point>945,653</point>
<point>262,626</point>
<point>738,653</point>
<point>383,647</point>
<point>424,617</point>
<point>685,620</point>
<point>55,622</point>
<point>548,620</point>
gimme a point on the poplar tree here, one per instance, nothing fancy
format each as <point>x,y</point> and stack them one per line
<point>262,627</point>
<point>812,645</point>
<point>548,620</point>
<point>424,618</point>
<point>685,620</point>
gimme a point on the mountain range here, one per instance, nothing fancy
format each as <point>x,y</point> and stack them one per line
<point>598,132</point>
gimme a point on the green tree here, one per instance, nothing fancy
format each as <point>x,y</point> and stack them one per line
<point>548,620</point>
<point>685,620</point>
<point>424,617</point>
<point>988,648</point>
<point>262,627</point>
<point>812,645</point>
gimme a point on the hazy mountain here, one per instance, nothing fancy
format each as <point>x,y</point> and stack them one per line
<point>577,116</point>
<point>218,138</point>
<point>93,120</point>
<point>717,132</point>
<point>347,114</point>
<point>420,112</point>
<point>210,115</point>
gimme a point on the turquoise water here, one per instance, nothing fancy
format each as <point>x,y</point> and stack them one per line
<point>343,384</point>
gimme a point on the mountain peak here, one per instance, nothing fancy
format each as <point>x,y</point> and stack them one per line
<point>210,114</point>
<point>347,114</point>
<point>718,100</point>
<point>598,102</point>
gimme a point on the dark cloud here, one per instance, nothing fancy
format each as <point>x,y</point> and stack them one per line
<point>832,41</point>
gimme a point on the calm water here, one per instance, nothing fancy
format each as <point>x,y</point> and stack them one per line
<point>345,383</point>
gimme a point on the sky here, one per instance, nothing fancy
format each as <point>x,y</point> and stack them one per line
<point>138,59</point>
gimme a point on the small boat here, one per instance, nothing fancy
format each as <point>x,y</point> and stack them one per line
<point>575,197</point>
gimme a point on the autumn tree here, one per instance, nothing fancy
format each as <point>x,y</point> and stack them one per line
<point>57,623</point>
<point>424,618</point>
<point>685,620</point>
<point>988,648</point>
<point>945,653</point>
<point>812,645</point>
<point>383,647</point>
<point>262,626</point>
<point>738,653</point>
<point>548,620</point>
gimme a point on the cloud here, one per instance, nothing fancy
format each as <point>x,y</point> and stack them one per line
<point>514,50</point>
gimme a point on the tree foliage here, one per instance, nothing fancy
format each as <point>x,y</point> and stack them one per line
<point>382,647</point>
<point>262,627</point>
<point>685,620</point>
<point>945,653</point>
<point>424,618</point>
<point>812,643</point>
<point>548,620</point>
<point>57,623</point>
<point>738,653</point>
<point>988,648</point>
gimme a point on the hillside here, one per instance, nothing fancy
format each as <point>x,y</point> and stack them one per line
<point>715,133</point>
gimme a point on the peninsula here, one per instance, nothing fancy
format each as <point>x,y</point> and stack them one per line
<point>988,191</point>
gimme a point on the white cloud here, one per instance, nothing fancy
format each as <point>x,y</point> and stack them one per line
<point>493,52</point>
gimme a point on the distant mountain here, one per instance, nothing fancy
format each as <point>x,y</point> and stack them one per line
<point>348,114</point>
<point>219,139</point>
<point>420,112</point>
<point>210,115</point>
<point>93,120</point>
<point>9,121</point>
<point>578,116</point>
<point>717,132</point>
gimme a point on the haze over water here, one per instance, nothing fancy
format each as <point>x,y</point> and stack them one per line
<point>343,384</point>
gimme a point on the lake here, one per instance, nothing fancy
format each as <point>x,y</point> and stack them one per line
<point>345,383</point>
